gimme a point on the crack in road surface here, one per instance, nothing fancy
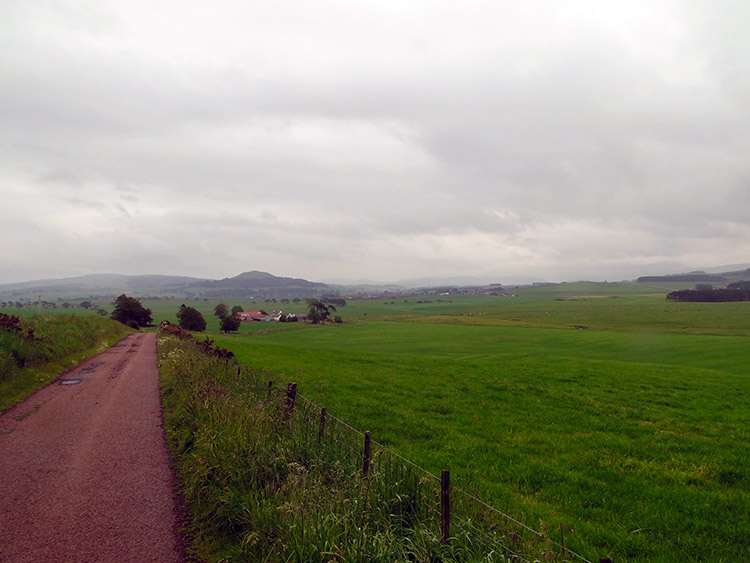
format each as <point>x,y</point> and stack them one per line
<point>84,469</point>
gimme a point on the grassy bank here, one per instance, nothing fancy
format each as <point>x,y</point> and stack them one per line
<point>34,350</point>
<point>263,486</point>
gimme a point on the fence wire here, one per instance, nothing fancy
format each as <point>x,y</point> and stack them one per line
<point>419,489</point>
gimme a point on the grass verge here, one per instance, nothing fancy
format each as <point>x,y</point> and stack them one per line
<point>34,350</point>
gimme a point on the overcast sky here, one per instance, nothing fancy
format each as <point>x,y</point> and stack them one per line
<point>556,140</point>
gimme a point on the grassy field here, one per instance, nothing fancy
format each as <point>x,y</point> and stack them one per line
<point>631,432</point>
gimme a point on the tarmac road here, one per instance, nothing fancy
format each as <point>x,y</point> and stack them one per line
<point>84,469</point>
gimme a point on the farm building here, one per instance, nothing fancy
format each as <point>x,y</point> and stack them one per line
<point>275,316</point>
<point>250,316</point>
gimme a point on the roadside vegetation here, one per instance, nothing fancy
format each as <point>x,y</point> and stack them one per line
<point>261,486</point>
<point>34,350</point>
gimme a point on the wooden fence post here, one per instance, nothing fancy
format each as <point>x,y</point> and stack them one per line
<point>291,397</point>
<point>562,540</point>
<point>270,384</point>
<point>366,461</point>
<point>445,505</point>
<point>322,424</point>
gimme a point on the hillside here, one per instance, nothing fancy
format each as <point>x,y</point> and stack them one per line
<point>259,284</point>
<point>98,285</point>
<point>245,285</point>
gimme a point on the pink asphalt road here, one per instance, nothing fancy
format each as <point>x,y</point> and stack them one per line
<point>84,469</point>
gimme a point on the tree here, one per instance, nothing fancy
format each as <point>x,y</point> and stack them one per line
<point>334,300</point>
<point>739,285</point>
<point>230,324</point>
<point>191,319</point>
<point>221,310</point>
<point>129,311</point>
<point>318,312</point>
<point>237,309</point>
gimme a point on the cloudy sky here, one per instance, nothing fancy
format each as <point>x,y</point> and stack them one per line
<point>384,140</point>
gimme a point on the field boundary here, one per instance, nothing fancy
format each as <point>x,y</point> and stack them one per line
<point>496,530</point>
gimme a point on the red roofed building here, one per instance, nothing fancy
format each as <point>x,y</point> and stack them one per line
<point>250,316</point>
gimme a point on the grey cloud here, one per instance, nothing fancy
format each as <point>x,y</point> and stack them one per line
<point>314,134</point>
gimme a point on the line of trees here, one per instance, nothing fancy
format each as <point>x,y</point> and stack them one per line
<point>129,311</point>
<point>709,295</point>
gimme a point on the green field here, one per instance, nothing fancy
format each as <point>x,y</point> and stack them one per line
<point>599,406</point>
<point>632,432</point>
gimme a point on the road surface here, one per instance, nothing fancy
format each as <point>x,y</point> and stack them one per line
<point>84,470</point>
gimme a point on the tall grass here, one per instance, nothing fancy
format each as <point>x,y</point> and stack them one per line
<point>262,487</point>
<point>34,350</point>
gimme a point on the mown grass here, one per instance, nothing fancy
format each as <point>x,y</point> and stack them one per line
<point>60,342</point>
<point>633,435</point>
<point>260,487</point>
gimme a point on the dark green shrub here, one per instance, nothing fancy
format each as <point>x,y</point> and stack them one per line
<point>191,319</point>
<point>130,312</point>
<point>230,324</point>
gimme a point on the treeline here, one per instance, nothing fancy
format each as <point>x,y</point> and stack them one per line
<point>696,277</point>
<point>710,295</point>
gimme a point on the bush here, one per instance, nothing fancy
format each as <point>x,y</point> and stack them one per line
<point>230,324</point>
<point>18,346</point>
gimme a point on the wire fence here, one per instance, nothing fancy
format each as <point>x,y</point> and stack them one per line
<point>419,492</point>
<point>411,492</point>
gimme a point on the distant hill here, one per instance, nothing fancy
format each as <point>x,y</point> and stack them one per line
<point>260,284</point>
<point>99,285</point>
<point>245,285</point>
